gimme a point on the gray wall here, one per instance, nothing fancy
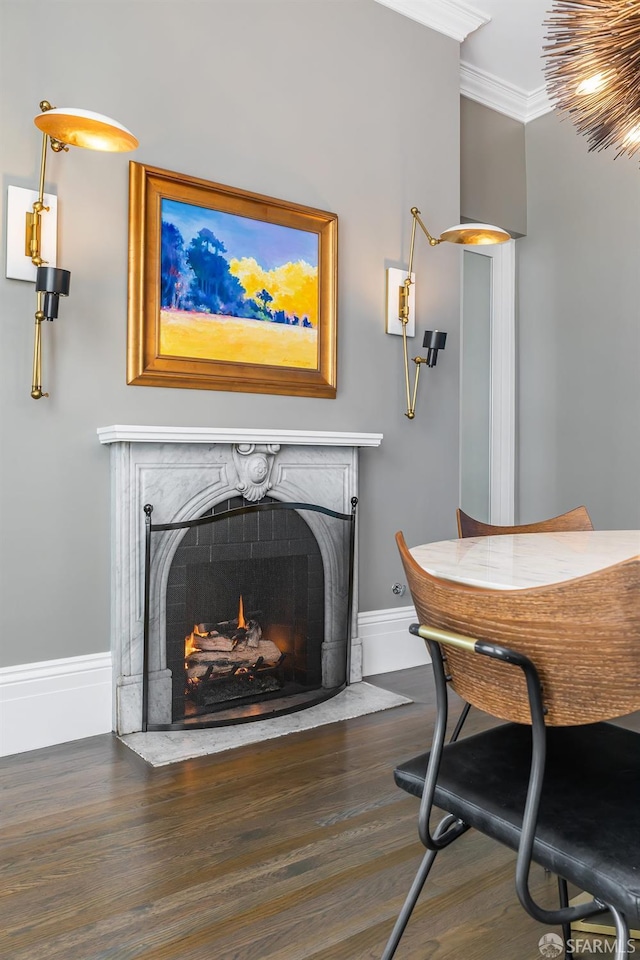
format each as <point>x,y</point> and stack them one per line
<point>579,330</point>
<point>493,176</point>
<point>305,101</point>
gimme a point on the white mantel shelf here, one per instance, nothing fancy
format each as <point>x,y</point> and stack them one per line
<point>140,434</point>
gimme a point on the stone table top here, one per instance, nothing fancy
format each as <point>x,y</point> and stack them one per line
<point>518,561</point>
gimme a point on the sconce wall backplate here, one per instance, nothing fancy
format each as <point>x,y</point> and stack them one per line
<point>395,281</point>
<point>19,203</point>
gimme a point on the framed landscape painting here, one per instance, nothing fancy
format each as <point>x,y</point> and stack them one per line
<point>229,290</point>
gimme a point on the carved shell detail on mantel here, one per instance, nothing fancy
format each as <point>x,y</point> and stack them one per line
<point>254,463</point>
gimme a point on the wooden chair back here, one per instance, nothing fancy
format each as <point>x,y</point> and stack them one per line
<point>577,519</point>
<point>583,635</point>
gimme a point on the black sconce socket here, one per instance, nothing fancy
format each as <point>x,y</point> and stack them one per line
<point>434,340</point>
<point>54,283</point>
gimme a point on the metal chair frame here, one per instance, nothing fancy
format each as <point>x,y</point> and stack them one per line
<point>450,827</point>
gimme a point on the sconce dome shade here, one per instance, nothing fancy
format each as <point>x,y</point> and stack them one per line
<point>83,128</point>
<point>475,234</point>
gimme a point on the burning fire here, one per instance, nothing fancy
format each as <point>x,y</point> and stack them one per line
<point>190,645</point>
<point>242,623</point>
<point>233,652</point>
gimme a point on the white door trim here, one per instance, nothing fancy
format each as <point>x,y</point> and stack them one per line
<point>503,377</point>
<point>503,380</point>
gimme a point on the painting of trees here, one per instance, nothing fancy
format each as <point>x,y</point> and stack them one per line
<point>265,298</point>
<point>173,265</point>
<point>234,272</point>
<point>229,290</point>
<point>213,286</point>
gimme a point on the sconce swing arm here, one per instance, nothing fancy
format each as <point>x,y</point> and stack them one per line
<point>404,317</point>
<point>34,218</point>
<point>32,249</point>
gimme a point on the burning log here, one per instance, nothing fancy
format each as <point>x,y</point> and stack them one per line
<point>215,642</point>
<point>208,650</point>
<point>230,659</point>
<point>250,635</point>
<point>254,634</point>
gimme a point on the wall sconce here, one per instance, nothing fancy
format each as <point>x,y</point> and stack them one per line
<point>401,296</point>
<point>61,127</point>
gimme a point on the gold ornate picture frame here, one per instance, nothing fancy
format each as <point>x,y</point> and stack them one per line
<point>229,290</point>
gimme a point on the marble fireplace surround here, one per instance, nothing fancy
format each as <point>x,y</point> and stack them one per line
<point>184,471</point>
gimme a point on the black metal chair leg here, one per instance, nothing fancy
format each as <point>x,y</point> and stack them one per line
<point>622,935</point>
<point>459,724</point>
<point>409,904</point>
<point>563,895</point>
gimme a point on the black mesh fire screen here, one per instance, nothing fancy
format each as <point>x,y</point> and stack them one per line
<point>255,617</point>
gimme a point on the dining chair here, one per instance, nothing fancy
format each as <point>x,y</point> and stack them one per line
<point>576,519</point>
<point>554,781</point>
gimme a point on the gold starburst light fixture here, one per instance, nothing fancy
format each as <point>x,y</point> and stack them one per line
<point>592,69</point>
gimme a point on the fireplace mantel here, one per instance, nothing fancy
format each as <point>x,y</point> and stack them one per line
<point>183,471</point>
<point>146,434</point>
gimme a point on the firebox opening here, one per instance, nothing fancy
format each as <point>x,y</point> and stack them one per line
<point>271,646</point>
<point>246,616</point>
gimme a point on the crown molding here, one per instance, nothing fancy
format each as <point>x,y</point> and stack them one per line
<point>452,17</point>
<point>539,104</point>
<point>503,96</point>
<point>457,20</point>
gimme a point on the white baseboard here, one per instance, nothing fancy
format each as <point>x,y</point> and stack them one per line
<point>54,701</point>
<point>387,644</point>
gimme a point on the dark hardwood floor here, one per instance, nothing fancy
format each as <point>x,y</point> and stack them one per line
<point>301,847</point>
